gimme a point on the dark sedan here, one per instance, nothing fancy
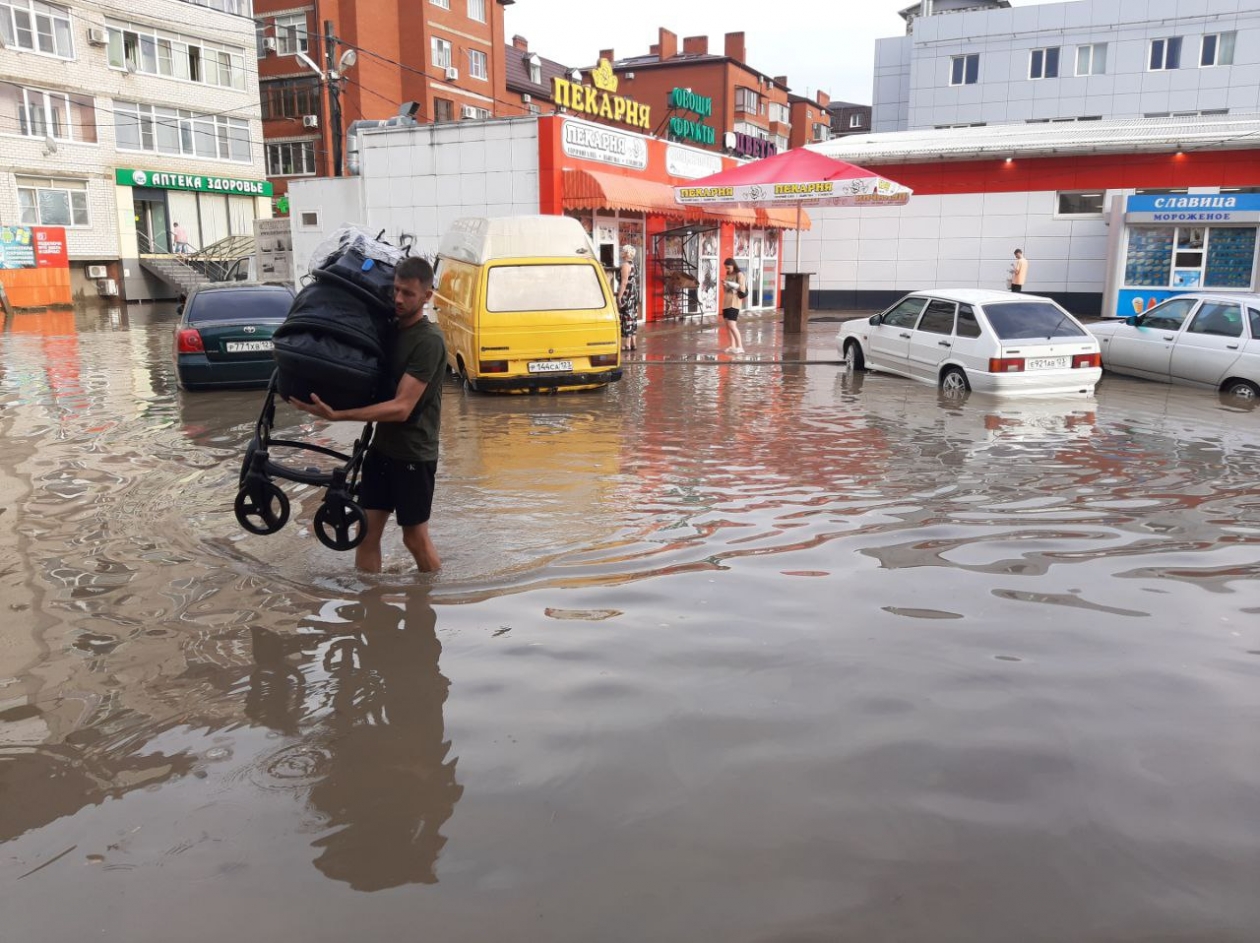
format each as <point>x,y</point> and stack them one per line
<point>223,338</point>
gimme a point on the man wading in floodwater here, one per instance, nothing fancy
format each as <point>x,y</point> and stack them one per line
<point>401,464</point>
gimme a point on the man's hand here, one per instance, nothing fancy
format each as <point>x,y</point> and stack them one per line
<point>316,407</point>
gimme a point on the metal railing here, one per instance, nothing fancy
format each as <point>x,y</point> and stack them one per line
<point>218,262</point>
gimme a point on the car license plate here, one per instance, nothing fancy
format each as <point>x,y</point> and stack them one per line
<point>550,366</point>
<point>241,347</point>
<point>1047,363</point>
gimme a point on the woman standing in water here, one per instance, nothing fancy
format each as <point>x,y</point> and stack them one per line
<point>734,291</point>
<point>628,298</point>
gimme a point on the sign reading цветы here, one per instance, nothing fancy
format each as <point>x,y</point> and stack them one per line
<point>201,183</point>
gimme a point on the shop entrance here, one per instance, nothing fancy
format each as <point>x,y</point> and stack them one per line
<point>611,232</point>
<point>152,221</point>
<point>757,253</point>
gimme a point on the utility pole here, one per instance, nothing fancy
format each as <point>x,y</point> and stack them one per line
<point>334,94</point>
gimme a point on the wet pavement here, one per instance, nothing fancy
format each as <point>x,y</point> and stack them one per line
<point>743,651</point>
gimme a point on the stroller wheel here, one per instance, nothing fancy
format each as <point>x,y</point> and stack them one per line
<point>340,524</point>
<point>263,513</point>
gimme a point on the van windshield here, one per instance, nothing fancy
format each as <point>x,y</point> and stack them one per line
<point>544,288</point>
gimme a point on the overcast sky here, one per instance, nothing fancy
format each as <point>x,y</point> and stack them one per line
<point>817,44</point>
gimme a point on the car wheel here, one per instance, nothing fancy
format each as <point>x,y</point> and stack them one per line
<point>853,357</point>
<point>954,383</point>
<point>1242,389</point>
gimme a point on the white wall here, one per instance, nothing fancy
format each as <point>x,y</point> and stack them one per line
<point>417,181</point>
<point>953,241</point>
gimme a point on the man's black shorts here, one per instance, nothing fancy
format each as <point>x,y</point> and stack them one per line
<point>391,484</point>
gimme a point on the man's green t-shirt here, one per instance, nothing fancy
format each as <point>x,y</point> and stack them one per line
<point>421,351</point>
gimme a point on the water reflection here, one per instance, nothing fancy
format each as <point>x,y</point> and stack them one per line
<point>380,771</point>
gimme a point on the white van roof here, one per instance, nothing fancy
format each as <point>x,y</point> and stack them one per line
<point>481,239</point>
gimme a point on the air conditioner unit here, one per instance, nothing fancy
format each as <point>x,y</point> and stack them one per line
<point>452,74</point>
<point>310,121</point>
<point>98,36</point>
<point>270,44</point>
<point>467,111</point>
<point>107,288</point>
<point>96,271</point>
<point>526,99</point>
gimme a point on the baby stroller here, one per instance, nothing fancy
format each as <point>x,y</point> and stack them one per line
<point>334,342</point>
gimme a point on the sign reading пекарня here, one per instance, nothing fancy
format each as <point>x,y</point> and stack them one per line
<point>854,192</point>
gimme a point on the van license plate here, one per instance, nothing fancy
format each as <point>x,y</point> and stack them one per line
<point>550,366</point>
<point>240,347</point>
<point>1048,363</point>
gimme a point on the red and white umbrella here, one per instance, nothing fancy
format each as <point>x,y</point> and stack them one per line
<point>798,178</point>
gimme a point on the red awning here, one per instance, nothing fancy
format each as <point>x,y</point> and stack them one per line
<point>591,190</point>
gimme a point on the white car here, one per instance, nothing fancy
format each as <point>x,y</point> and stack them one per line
<point>975,339</point>
<point>1201,339</point>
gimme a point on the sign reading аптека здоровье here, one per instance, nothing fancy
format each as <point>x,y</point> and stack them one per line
<point>200,183</point>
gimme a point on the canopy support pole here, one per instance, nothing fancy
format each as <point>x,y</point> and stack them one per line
<point>798,236</point>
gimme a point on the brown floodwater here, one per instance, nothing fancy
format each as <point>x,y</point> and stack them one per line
<point>740,652</point>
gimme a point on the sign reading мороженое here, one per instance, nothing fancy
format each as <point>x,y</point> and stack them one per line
<point>200,183</point>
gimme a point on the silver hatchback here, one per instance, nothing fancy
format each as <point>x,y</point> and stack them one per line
<point>1202,339</point>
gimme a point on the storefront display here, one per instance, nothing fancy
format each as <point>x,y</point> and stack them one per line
<point>1205,242</point>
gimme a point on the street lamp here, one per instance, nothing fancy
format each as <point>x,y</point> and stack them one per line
<point>333,79</point>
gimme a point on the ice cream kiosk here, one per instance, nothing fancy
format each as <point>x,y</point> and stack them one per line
<point>1173,243</point>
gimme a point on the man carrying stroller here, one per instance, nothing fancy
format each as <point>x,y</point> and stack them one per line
<point>401,464</point>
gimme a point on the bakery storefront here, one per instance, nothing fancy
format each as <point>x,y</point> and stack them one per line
<point>619,184</point>
<point>1177,243</point>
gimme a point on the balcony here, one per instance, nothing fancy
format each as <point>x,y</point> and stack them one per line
<point>235,7</point>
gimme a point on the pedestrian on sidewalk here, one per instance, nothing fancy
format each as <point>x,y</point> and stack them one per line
<point>628,298</point>
<point>734,293</point>
<point>1018,273</point>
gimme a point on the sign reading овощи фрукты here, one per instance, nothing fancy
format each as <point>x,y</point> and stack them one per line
<point>199,183</point>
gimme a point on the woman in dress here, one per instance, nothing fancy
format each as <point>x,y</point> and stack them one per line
<point>628,298</point>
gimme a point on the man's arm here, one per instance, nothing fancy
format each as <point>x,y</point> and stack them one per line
<point>409,391</point>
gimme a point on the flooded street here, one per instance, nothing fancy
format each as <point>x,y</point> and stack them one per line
<point>740,652</point>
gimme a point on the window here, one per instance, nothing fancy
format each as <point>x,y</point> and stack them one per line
<point>938,318</point>
<point>743,127</point>
<point>1024,320</point>
<point>747,101</point>
<point>1218,49</point>
<point>475,114</point>
<point>154,52</point>
<point>440,53</point>
<point>1091,60</point>
<point>964,70</point>
<point>443,109</point>
<point>779,113</point>
<point>141,127</point>
<point>291,34</point>
<point>822,132</point>
<point>289,98</point>
<point>1044,63</point>
<point>855,120</point>
<point>535,70</point>
<point>477,10</point>
<point>1080,203</point>
<point>1165,54</point>
<point>904,313</point>
<point>444,4</point>
<point>36,113</point>
<point>544,288</point>
<point>36,27</point>
<point>477,64</point>
<point>44,202</point>
<point>533,109</point>
<point>1218,319</point>
<point>968,326</point>
<point>291,159</point>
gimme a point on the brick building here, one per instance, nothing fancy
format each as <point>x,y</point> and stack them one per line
<point>446,56</point>
<point>119,123</point>
<point>749,113</point>
<point>529,78</point>
<point>811,122</point>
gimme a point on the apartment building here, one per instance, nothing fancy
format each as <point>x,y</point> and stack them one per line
<point>742,111</point>
<point>120,120</point>
<point>529,78</point>
<point>969,63</point>
<point>436,60</point>
<point>811,121</point>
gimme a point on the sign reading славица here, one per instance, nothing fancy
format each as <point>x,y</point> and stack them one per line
<point>201,183</point>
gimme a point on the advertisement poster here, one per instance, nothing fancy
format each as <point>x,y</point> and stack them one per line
<point>273,240</point>
<point>26,247</point>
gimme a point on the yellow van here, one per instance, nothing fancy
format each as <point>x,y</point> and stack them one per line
<point>525,305</point>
